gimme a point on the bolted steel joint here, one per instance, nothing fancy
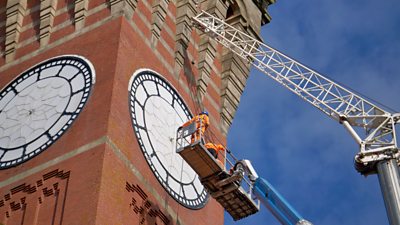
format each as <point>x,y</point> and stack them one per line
<point>365,161</point>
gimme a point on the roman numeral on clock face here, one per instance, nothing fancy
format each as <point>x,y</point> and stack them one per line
<point>157,110</point>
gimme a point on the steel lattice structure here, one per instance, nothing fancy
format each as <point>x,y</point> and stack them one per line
<point>377,137</point>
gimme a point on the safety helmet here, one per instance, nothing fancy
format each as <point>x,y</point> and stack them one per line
<point>204,112</point>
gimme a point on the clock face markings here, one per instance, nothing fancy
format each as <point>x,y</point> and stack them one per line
<point>39,105</point>
<point>33,106</point>
<point>13,155</point>
<point>77,84</point>
<point>2,153</point>
<point>157,118</point>
<point>6,98</point>
<point>141,95</point>
<point>156,112</point>
<point>50,71</point>
<point>28,81</point>
<point>142,128</point>
<point>69,72</point>
<point>165,94</point>
<point>151,88</point>
<point>74,103</point>
<point>30,149</point>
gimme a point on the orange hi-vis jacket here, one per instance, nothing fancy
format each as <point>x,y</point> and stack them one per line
<point>202,123</point>
<point>219,149</point>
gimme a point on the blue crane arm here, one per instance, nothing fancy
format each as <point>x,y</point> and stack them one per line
<point>278,206</point>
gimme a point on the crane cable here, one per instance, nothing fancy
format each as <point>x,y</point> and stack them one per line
<point>198,101</point>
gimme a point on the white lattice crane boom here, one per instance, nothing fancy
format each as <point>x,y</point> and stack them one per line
<point>377,138</point>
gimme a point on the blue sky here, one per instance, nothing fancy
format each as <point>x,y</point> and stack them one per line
<point>306,155</point>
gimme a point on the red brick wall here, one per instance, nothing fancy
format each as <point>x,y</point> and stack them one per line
<point>91,183</point>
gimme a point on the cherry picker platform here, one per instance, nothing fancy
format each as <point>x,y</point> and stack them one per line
<point>230,188</point>
<point>238,189</point>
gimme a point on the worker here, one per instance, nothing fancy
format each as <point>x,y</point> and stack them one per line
<point>202,123</point>
<point>218,151</point>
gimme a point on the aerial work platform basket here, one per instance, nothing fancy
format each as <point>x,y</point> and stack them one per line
<point>230,187</point>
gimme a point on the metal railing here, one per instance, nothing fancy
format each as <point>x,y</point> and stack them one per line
<point>191,135</point>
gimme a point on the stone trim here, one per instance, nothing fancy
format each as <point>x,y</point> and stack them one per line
<point>123,7</point>
<point>80,13</point>
<point>47,13</point>
<point>234,70</point>
<point>159,13</point>
<point>161,201</point>
<point>207,47</point>
<point>105,140</point>
<point>186,9</point>
<point>148,43</point>
<point>53,162</point>
<point>53,44</point>
<point>247,18</point>
<point>15,12</point>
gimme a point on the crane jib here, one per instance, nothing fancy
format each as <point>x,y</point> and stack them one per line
<point>372,127</point>
<point>324,94</point>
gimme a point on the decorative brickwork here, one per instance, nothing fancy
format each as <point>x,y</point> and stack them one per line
<point>247,17</point>
<point>15,12</point>
<point>47,12</point>
<point>207,47</point>
<point>159,12</point>
<point>123,7</point>
<point>186,9</point>
<point>30,203</point>
<point>80,13</point>
<point>100,149</point>
<point>143,207</point>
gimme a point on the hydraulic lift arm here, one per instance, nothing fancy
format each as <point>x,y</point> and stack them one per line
<point>276,204</point>
<point>270,197</point>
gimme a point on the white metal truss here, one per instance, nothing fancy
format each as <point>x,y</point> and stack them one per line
<point>376,143</point>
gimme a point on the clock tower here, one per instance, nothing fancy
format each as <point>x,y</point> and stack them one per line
<point>92,93</point>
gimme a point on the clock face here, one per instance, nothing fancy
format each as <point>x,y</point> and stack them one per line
<point>157,111</point>
<point>39,105</point>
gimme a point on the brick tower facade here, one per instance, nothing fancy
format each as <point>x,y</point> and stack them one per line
<point>95,172</point>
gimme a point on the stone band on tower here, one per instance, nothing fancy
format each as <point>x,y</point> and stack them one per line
<point>95,170</point>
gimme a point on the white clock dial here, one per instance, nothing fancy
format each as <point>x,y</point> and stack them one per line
<point>157,111</point>
<point>38,106</point>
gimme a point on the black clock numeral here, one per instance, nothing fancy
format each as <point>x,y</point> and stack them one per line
<point>145,91</point>
<point>167,93</point>
<point>195,189</point>
<point>173,101</point>
<point>74,76</point>
<point>59,71</point>
<point>141,127</point>
<point>38,71</point>
<point>50,134</point>
<point>47,133</point>
<point>24,151</point>
<point>70,113</point>
<point>183,190</point>
<point>78,91</point>
<point>14,90</point>
<point>167,179</point>
<point>2,154</point>
<point>158,90</point>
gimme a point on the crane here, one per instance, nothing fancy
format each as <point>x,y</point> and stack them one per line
<point>372,127</point>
